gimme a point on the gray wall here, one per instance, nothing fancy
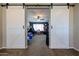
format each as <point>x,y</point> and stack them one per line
<point>0,27</point>
<point>76,26</point>
<point>4,27</point>
<point>71,27</point>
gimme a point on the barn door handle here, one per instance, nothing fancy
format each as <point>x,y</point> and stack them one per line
<point>51,27</point>
<point>23,27</point>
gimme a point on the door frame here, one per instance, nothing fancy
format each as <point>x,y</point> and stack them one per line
<point>26,10</point>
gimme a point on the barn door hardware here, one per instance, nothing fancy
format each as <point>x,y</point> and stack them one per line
<point>68,5</point>
<point>2,5</point>
<point>23,5</point>
<point>23,27</point>
<point>51,5</point>
<point>7,5</point>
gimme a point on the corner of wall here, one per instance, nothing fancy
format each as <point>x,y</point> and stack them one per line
<point>1,27</point>
<point>76,28</point>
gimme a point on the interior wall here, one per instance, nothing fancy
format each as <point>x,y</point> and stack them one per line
<point>32,14</point>
<point>0,26</point>
<point>70,27</point>
<point>76,27</point>
<point>4,27</point>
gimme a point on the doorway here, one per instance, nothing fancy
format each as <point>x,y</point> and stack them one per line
<point>37,24</point>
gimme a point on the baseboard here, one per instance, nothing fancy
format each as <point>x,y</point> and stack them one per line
<point>76,49</point>
<point>0,48</point>
<point>49,48</point>
<point>58,48</point>
<point>13,48</point>
<point>70,47</point>
<point>3,47</point>
<point>61,48</point>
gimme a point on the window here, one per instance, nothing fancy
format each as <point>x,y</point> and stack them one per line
<point>38,27</point>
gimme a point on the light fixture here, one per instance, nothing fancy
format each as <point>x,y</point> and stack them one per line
<point>39,17</point>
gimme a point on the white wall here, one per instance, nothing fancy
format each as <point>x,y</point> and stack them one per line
<point>76,27</point>
<point>71,27</point>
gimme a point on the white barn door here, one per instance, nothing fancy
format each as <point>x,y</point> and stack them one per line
<point>59,29</point>
<point>15,19</point>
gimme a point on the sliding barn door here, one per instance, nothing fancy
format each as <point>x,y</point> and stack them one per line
<point>15,17</point>
<point>59,27</point>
